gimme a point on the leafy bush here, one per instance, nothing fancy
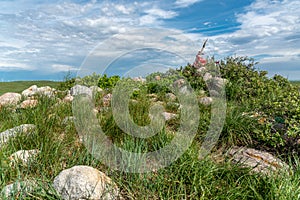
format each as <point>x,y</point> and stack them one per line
<point>105,82</point>
<point>91,80</point>
<point>275,100</point>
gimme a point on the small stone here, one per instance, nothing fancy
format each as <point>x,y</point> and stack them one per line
<point>25,156</point>
<point>179,83</point>
<point>18,189</point>
<point>207,76</point>
<point>169,116</point>
<point>139,79</point>
<point>68,120</point>
<point>214,93</point>
<point>107,99</point>
<point>68,98</point>
<point>171,96</point>
<point>206,101</point>
<point>200,71</point>
<point>152,97</point>
<point>219,82</point>
<point>29,103</point>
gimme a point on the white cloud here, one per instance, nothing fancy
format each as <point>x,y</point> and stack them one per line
<point>63,68</point>
<point>60,34</point>
<point>268,27</point>
<point>161,13</point>
<point>155,15</point>
<point>12,66</point>
<point>186,3</point>
<point>269,30</point>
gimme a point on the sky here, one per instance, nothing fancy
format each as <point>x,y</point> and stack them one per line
<point>46,40</point>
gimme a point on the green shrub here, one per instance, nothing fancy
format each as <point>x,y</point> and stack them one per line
<point>108,82</point>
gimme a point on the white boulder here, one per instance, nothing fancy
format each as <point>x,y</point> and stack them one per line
<point>10,98</point>
<point>84,182</point>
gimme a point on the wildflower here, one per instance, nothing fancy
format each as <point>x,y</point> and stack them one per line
<point>199,61</point>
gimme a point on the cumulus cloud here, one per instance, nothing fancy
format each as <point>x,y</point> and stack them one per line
<point>266,27</point>
<point>63,68</point>
<point>186,3</point>
<point>59,35</point>
<point>12,66</point>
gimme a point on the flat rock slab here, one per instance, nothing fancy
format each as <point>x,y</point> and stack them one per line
<point>259,161</point>
<point>24,128</point>
<point>24,156</point>
<point>18,189</point>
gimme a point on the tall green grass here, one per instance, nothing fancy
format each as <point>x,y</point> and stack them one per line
<point>186,178</point>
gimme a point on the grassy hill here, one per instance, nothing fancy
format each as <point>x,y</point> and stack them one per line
<point>19,86</point>
<point>261,113</point>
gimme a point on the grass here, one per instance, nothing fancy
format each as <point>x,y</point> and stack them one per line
<point>19,86</point>
<point>187,178</point>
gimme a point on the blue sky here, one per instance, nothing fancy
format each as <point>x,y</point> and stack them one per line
<point>46,39</point>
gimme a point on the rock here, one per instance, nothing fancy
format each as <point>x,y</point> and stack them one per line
<point>31,91</point>
<point>96,89</point>
<point>179,83</point>
<point>106,99</point>
<point>25,156</point>
<point>46,91</point>
<point>95,111</point>
<point>207,76</point>
<point>171,96</point>
<point>18,189</point>
<point>152,97</point>
<point>184,90</point>
<point>80,89</point>
<point>200,71</point>
<point>214,93</point>
<point>260,161</point>
<point>34,90</point>
<point>10,98</point>
<point>10,133</point>
<point>169,116</point>
<point>206,101</point>
<point>29,103</point>
<point>218,82</point>
<point>157,78</point>
<point>68,98</point>
<point>139,79</point>
<point>84,182</point>
<point>67,120</point>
